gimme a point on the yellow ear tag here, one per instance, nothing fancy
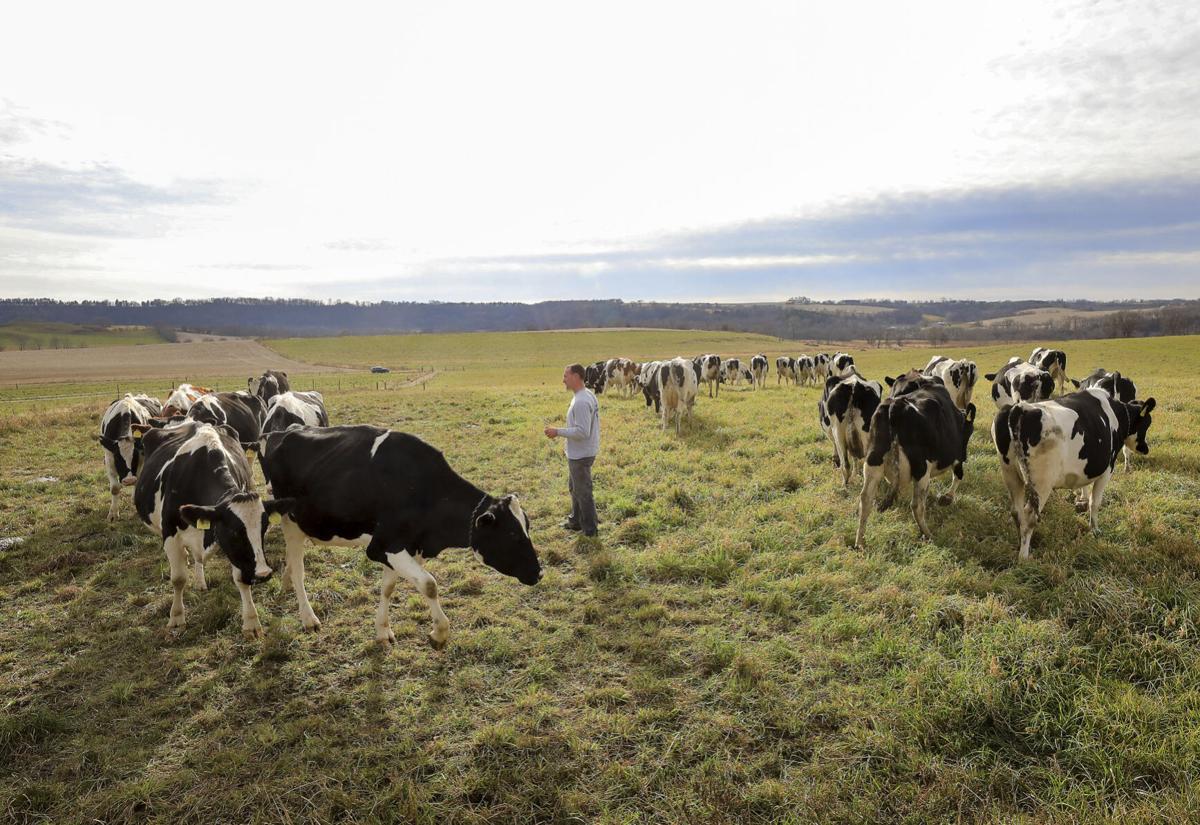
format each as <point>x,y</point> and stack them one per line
<point>203,523</point>
<point>249,455</point>
<point>137,434</point>
<point>274,518</point>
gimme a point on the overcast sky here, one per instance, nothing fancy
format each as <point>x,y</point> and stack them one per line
<point>483,151</point>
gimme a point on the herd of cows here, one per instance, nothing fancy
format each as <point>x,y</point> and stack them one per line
<point>190,463</point>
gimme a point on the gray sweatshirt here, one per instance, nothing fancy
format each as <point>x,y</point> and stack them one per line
<point>582,434</point>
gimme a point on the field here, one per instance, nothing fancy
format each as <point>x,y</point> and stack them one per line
<point>35,336</point>
<point>720,654</point>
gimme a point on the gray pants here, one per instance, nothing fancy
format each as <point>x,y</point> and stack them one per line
<point>579,482</point>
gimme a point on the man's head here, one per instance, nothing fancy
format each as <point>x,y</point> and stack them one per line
<point>573,377</point>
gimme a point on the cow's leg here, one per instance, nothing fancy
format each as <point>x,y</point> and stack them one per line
<point>114,486</point>
<point>843,457</point>
<point>956,475</point>
<point>177,558</point>
<point>251,627</point>
<point>196,547</point>
<point>866,500</point>
<point>891,474</point>
<point>920,494</point>
<point>1125,455</point>
<point>293,572</point>
<point>1097,495</point>
<point>402,564</point>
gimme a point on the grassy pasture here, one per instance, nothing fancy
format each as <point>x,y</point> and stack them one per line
<point>721,653</point>
<point>47,335</point>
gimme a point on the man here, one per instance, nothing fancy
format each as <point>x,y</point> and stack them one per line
<point>582,435</point>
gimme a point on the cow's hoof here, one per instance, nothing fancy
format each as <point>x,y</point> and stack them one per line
<point>435,644</point>
<point>201,586</point>
<point>313,625</point>
<point>945,498</point>
<point>253,632</point>
<point>174,623</point>
<point>385,638</point>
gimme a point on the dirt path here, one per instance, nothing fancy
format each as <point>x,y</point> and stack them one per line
<point>209,358</point>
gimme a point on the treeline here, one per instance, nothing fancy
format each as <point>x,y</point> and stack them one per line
<point>936,321</point>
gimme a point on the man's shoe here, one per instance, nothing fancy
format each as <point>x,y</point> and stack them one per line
<point>567,524</point>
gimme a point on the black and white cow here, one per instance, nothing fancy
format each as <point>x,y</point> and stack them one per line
<point>732,368</point>
<point>1070,442</point>
<point>958,376</point>
<point>806,370</point>
<point>396,496</point>
<point>240,411</point>
<point>845,411</point>
<point>839,365</point>
<point>710,372</point>
<point>916,434</point>
<point>1020,381</point>
<point>1053,361</point>
<point>1116,385</point>
<point>121,459</point>
<point>785,370</point>
<point>676,390</point>
<point>286,409</point>
<point>759,367</point>
<point>181,399</point>
<point>268,385</point>
<point>595,377</point>
<point>197,493</point>
<point>648,380</point>
<point>621,375</point>
<point>821,363</point>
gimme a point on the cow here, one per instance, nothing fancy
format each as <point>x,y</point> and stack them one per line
<point>958,376</point>
<point>621,375</point>
<point>785,370</point>
<point>396,496</point>
<point>806,370</point>
<point>648,380</point>
<point>839,365</point>
<point>759,367</point>
<point>197,493</point>
<point>1118,386</point>
<point>1020,381</point>
<point>240,411</point>
<point>845,411</point>
<point>916,433</point>
<point>821,364</point>
<point>121,459</point>
<point>1053,361</point>
<point>268,385</point>
<point>710,373</point>
<point>676,390</point>
<point>732,369</point>
<point>595,377</point>
<point>181,399</point>
<point>1070,442</point>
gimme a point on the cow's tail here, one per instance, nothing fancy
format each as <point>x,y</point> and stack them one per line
<point>1019,451</point>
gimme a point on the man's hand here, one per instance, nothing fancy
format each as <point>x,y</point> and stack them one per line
<point>551,432</point>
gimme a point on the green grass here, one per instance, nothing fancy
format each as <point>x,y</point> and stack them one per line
<point>46,335</point>
<point>721,653</point>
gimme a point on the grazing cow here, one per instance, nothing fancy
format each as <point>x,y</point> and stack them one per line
<point>785,370</point>
<point>806,370</point>
<point>1117,386</point>
<point>621,375</point>
<point>732,368</point>
<point>958,376</point>
<point>839,365</point>
<point>268,385</point>
<point>676,390</point>
<point>759,367</point>
<point>821,363</point>
<point>710,372</point>
<point>1069,442</point>
<point>1053,361</point>
<point>181,399</point>
<point>1020,381</point>
<point>595,377</point>
<point>396,496</point>
<point>240,411</point>
<point>845,411</point>
<point>648,380</point>
<point>917,433</point>
<point>121,459</point>
<point>197,492</point>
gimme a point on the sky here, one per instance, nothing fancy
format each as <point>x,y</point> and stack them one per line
<point>647,151</point>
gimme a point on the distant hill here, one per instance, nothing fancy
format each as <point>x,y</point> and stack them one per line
<point>799,318</point>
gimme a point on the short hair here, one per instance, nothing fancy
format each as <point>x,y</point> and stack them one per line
<point>577,369</point>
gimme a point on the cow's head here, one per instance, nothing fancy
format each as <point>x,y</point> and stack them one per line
<point>909,382</point>
<point>240,523</point>
<point>125,456</point>
<point>500,539</point>
<point>1139,424</point>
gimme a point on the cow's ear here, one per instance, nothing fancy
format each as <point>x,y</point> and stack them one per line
<point>1148,405</point>
<point>889,380</point>
<point>107,443</point>
<point>486,519</point>
<point>196,516</point>
<point>990,376</point>
<point>970,413</point>
<point>139,430</point>
<point>1076,383</point>
<point>277,508</point>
